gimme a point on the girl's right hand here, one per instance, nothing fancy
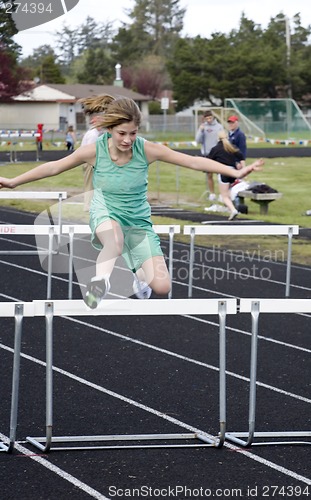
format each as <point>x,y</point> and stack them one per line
<point>6,183</point>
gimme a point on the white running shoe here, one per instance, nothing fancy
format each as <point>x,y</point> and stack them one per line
<point>96,291</point>
<point>141,290</point>
<point>233,215</point>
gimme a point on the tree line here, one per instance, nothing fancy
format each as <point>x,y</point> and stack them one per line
<point>248,62</point>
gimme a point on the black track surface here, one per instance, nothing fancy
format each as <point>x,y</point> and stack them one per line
<point>156,364</point>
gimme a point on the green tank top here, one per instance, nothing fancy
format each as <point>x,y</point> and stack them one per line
<point>120,193</point>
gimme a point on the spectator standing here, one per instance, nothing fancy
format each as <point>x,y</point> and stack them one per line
<point>70,138</point>
<point>39,138</point>
<point>207,136</point>
<point>236,136</point>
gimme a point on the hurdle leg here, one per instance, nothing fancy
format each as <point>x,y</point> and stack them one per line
<point>50,256</point>
<point>49,383</point>
<point>235,436</point>
<point>19,311</point>
<point>289,258</point>
<point>70,265</point>
<point>222,373</point>
<point>170,259</point>
<point>60,199</point>
<point>191,260</point>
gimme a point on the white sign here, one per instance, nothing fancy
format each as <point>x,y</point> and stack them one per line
<point>165,103</point>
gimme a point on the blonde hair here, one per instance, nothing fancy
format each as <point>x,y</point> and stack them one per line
<point>114,110</point>
<point>230,148</point>
<point>96,104</point>
<point>120,110</point>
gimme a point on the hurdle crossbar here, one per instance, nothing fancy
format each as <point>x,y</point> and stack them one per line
<point>49,309</point>
<point>18,311</point>
<point>257,307</point>
<point>239,230</point>
<point>34,195</point>
<point>84,229</point>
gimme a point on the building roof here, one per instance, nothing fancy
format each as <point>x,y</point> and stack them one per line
<point>66,93</point>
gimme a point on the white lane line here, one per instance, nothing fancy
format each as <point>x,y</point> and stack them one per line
<point>243,332</point>
<point>56,470</point>
<point>162,415</point>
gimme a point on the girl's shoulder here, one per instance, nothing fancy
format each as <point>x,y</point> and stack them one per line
<point>139,144</point>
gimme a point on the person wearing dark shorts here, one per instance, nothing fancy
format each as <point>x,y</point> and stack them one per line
<point>226,153</point>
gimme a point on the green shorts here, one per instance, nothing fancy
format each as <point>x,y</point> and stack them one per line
<point>140,244</point>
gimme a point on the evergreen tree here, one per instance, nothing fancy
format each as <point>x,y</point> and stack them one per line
<point>98,68</point>
<point>93,35</point>
<point>42,64</point>
<point>67,45</point>
<point>156,26</point>
<point>248,62</point>
<point>8,29</point>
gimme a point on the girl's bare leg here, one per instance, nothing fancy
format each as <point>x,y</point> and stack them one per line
<point>110,235</point>
<point>225,194</point>
<point>155,274</point>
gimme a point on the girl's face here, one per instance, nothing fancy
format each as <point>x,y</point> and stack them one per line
<point>124,135</point>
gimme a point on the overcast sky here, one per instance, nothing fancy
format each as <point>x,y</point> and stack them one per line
<point>202,17</point>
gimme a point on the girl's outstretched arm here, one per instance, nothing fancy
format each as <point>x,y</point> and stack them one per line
<point>85,154</point>
<point>163,153</point>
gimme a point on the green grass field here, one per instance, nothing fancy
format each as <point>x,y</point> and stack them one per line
<point>183,187</point>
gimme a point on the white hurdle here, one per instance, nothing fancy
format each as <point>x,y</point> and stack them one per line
<point>128,307</point>
<point>34,195</point>
<point>238,230</point>
<point>257,307</point>
<point>83,229</point>
<point>19,135</point>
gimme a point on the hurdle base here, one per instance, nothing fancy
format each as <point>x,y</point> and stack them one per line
<point>202,441</point>
<point>235,437</point>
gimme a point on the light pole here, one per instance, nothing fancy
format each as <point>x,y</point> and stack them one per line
<point>288,47</point>
<point>287,20</point>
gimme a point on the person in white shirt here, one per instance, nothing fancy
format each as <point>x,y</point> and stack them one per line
<point>93,107</point>
<point>207,136</point>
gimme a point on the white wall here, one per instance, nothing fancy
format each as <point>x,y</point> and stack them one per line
<point>26,115</point>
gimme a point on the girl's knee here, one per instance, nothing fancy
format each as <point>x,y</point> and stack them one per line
<point>161,287</point>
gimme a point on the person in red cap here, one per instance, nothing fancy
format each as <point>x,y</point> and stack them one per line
<point>236,136</point>
<point>39,138</point>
